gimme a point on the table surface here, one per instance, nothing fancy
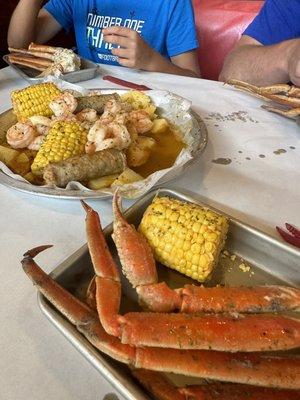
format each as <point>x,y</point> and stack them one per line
<point>259,185</point>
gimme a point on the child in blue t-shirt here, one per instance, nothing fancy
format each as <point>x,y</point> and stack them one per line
<point>269,50</point>
<point>156,35</point>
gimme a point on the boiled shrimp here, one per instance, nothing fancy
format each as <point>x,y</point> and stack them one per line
<point>41,124</point>
<point>115,111</point>
<point>113,106</point>
<point>140,120</point>
<point>87,117</point>
<point>102,137</point>
<point>36,143</point>
<point>63,104</point>
<point>20,135</point>
<point>107,118</point>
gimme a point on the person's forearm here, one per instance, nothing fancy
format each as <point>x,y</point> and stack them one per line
<point>259,65</point>
<point>162,64</point>
<point>23,22</point>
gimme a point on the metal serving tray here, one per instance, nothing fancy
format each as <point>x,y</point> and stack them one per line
<point>270,261</point>
<point>87,71</point>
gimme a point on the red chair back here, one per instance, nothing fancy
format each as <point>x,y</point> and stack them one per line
<point>220,24</point>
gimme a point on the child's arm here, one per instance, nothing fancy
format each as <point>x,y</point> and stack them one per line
<point>136,53</point>
<point>29,23</point>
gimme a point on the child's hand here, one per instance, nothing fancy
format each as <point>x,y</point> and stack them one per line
<point>134,51</point>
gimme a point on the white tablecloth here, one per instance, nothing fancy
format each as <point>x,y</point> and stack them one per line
<point>260,186</point>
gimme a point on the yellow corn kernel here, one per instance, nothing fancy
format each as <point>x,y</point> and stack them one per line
<point>34,100</point>
<point>53,149</point>
<point>191,236</point>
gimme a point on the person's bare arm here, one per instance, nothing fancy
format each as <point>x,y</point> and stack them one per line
<point>29,23</point>
<point>260,65</point>
<point>188,62</point>
<point>136,53</point>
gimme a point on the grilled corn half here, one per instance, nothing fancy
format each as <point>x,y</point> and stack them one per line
<point>34,100</point>
<point>184,236</point>
<point>64,140</point>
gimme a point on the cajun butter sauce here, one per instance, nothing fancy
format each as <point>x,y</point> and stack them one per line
<point>164,153</point>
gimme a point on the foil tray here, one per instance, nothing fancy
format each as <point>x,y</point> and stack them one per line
<point>7,119</point>
<point>88,71</point>
<point>270,262</point>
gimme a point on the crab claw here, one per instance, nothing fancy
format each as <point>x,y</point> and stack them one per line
<point>34,252</point>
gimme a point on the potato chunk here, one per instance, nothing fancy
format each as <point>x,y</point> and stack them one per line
<point>127,176</point>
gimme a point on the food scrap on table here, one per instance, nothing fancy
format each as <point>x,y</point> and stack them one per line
<point>99,140</point>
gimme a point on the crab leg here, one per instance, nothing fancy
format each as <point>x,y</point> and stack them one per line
<point>77,312</point>
<point>291,113</point>
<point>138,265</point>
<point>36,53</point>
<point>158,385</point>
<point>294,91</point>
<point>273,89</point>
<point>43,48</point>
<point>35,63</point>
<point>254,369</point>
<point>220,299</point>
<point>285,100</point>
<point>217,332</point>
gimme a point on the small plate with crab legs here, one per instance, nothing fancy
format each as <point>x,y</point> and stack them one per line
<point>247,372</point>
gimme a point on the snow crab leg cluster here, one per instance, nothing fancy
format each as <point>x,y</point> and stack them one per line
<point>48,60</point>
<point>219,345</point>
<point>285,95</point>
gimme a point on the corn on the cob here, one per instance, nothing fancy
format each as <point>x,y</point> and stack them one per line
<point>184,236</point>
<point>64,140</point>
<point>34,100</point>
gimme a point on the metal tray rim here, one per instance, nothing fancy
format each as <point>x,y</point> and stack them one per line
<point>127,390</point>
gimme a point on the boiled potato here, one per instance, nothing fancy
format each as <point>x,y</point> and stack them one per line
<point>22,158</point>
<point>101,183</point>
<point>160,125</point>
<point>127,176</point>
<point>7,155</point>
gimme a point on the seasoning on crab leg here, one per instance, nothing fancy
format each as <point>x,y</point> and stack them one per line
<point>161,387</point>
<point>183,331</point>
<point>139,267</point>
<point>254,369</point>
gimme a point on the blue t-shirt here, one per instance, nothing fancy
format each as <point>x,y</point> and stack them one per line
<point>277,21</point>
<point>166,25</point>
